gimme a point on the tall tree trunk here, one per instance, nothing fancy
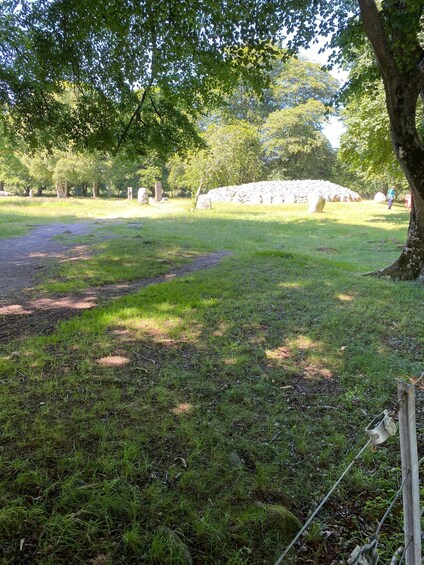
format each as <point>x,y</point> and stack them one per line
<point>410,154</point>
<point>95,189</point>
<point>84,189</point>
<point>197,194</point>
<point>61,190</point>
<point>410,264</point>
<point>40,190</point>
<point>1,185</point>
<point>403,87</point>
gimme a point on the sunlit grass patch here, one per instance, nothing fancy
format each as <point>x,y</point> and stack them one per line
<point>205,417</point>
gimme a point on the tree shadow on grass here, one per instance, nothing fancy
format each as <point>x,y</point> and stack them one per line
<point>242,386</point>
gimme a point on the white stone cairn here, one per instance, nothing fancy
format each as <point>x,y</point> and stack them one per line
<point>283,192</point>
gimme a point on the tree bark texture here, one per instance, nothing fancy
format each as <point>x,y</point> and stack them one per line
<point>403,89</point>
<point>61,190</point>
<point>197,194</point>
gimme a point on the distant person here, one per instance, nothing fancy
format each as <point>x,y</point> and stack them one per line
<point>390,197</point>
<point>408,201</point>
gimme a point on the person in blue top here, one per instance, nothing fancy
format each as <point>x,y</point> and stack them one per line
<point>391,196</point>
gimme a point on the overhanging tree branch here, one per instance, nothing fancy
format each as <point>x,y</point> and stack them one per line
<point>154,107</point>
<point>136,113</point>
<point>139,107</point>
<point>376,34</point>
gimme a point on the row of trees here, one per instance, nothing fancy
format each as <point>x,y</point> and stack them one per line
<point>277,135</point>
<point>62,171</point>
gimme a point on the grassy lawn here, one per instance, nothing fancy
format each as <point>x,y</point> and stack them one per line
<point>205,417</point>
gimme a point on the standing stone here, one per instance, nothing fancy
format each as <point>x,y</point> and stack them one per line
<point>380,197</point>
<point>130,193</point>
<point>158,191</point>
<point>31,193</point>
<point>203,202</point>
<point>316,203</point>
<point>143,196</point>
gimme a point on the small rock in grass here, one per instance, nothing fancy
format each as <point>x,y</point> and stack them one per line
<point>236,461</point>
<point>267,518</point>
<point>173,549</point>
<point>278,517</point>
<point>14,355</point>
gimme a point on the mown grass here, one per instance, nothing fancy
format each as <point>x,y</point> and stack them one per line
<point>356,236</point>
<point>196,415</point>
<point>18,214</point>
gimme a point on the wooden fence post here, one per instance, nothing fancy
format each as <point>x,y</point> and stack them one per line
<point>410,474</point>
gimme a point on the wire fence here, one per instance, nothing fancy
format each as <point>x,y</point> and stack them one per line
<point>379,430</point>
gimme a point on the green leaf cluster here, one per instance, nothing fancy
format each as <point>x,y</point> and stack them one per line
<point>275,135</point>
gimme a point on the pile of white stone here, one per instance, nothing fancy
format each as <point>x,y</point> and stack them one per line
<point>283,192</point>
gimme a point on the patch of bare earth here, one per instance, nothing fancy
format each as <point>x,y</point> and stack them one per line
<point>37,316</point>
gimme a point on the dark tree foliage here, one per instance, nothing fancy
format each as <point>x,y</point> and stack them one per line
<point>138,71</point>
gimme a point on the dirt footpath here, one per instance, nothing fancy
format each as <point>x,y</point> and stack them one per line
<point>24,313</point>
<point>22,257</point>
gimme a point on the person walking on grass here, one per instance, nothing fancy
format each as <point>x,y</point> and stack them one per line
<point>390,197</point>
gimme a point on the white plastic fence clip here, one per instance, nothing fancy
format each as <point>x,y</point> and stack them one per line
<point>382,427</point>
<point>365,555</point>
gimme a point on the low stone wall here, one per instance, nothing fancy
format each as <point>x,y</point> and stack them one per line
<point>283,192</point>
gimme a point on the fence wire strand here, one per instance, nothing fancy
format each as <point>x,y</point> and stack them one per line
<point>333,488</point>
<point>418,380</point>
<point>324,500</point>
<point>389,509</point>
<point>404,551</point>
